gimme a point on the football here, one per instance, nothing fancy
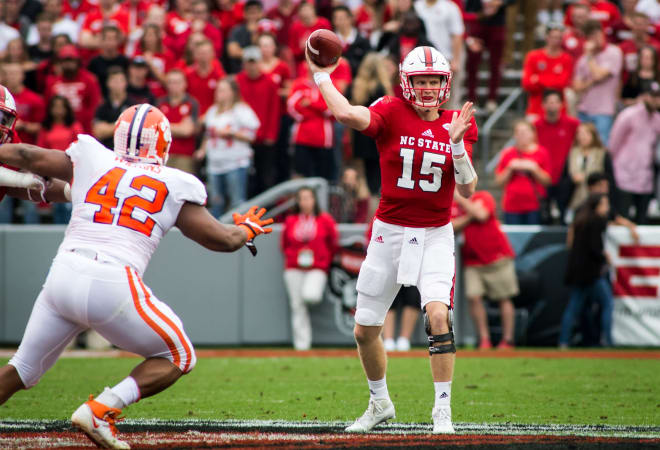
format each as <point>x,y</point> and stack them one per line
<point>324,48</point>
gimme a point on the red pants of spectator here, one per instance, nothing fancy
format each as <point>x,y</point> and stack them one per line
<point>493,38</point>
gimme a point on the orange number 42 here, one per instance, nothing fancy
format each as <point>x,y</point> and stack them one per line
<point>103,193</point>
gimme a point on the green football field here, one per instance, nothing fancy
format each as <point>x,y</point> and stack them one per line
<point>494,390</point>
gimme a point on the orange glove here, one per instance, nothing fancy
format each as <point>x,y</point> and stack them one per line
<point>252,223</point>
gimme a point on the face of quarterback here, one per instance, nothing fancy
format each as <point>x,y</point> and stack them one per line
<point>427,89</point>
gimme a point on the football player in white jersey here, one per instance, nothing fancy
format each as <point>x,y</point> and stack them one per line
<point>123,203</point>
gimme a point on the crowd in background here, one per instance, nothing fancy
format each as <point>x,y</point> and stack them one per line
<point>245,113</point>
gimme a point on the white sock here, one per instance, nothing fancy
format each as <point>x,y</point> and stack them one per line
<point>442,393</point>
<point>127,391</point>
<point>109,398</point>
<point>378,389</point>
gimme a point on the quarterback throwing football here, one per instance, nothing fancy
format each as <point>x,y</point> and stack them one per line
<point>123,204</point>
<point>425,153</point>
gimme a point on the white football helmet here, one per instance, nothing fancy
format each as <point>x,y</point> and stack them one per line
<point>142,133</point>
<point>7,115</point>
<point>425,61</point>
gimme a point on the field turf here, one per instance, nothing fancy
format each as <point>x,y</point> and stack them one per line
<point>492,390</point>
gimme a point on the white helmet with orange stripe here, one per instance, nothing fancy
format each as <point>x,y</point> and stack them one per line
<point>7,115</point>
<point>142,133</point>
<point>425,61</point>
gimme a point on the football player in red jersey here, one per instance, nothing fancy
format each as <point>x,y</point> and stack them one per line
<point>425,152</point>
<point>20,184</point>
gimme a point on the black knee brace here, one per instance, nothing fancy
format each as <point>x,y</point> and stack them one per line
<point>433,338</point>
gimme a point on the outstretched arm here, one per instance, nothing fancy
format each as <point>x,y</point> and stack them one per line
<point>354,116</point>
<point>42,161</point>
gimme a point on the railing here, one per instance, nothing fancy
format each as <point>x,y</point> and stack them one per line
<point>486,130</point>
<point>270,198</point>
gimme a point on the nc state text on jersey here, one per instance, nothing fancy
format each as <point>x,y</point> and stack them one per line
<point>428,144</point>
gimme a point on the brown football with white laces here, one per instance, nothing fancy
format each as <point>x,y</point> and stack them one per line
<point>324,48</point>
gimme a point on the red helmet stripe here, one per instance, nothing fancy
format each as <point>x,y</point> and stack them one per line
<point>428,57</point>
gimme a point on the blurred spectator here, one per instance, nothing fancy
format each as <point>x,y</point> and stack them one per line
<point>587,157</point>
<point>78,10</point>
<point>651,8</point>
<point>370,17</point>
<point>283,15</point>
<point>621,30</point>
<point>549,67</point>
<point>106,13</point>
<point>43,47</point>
<point>260,92</point>
<point>243,35</point>
<point>231,127</point>
<point>599,183</point>
<point>7,34</point>
<point>445,29</point>
<point>309,241</point>
<point>350,202</point>
<point>604,11</point>
<point>408,303</point>
<point>489,269</point>
<point>312,133</point>
<point>486,32</point>
<point>280,73</point>
<point>550,11</point>
<point>12,16</point>
<point>201,23</point>
<point>573,39</point>
<point>596,80</point>
<point>523,171</point>
<point>204,75</point>
<point>137,11</point>
<point>646,72</point>
<point>183,113</point>
<point>640,38</point>
<point>179,17</point>
<point>410,35</point>
<point>632,146</point>
<point>78,85</point>
<point>586,271</point>
<point>17,53</point>
<point>30,106</point>
<point>528,10</point>
<point>301,28</point>
<point>157,56</point>
<point>227,14</point>
<point>556,133</point>
<point>62,23</point>
<point>138,75</point>
<point>59,130</point>
<point>355,45</point>
<point>109,56</point>
<point>373,81</point>
<point>115,102</point>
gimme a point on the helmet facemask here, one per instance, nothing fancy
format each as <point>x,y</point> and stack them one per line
<point>440,94</point>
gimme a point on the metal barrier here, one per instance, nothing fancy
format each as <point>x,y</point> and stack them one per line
<point>486,130</point>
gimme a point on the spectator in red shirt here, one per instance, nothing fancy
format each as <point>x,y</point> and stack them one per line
<point>227,14</point>
<point>524,172</point>
<point>60,129</point>
<point>309,241</point>
<point>201,23</point>
<point>604,11</point>
<point>487,258</point>
<point>78,85</point>
<point>640,38</point>
<point>260,92</point>
<point>370,17</point>
<point>556,132</point>
<point>30,106</point>
<point>621,30</point>
<point>574,38</point>
<point>204,74</point>
<point>107,13</point>
<point>283,16</point>
<point>179,18</point>
<point>183,113</point>
<point>243,35</point>
<point>157,56</point>
<point>307,23</point>
<point>312,132</point>
<point>546,68</point>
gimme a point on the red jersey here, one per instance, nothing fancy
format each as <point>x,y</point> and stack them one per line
<point>135,13</point>
<point>603,11</point>
<point>416,164</point>
<point>83,92</point>
<point>30,107</point>
<point>283,22</point>
<point>95,20</point>
<point>261,94</point>
<point>309,242</point>
<point>313,122</point>
<point>175,114</point>
<point>542,71</point>
<point>572,42</point>
<point>175,24</point>
<point>202,88</point>
<point>558,138</point>
<point>485,242</point>
<point>77,11</point>
<point>522,192</point>
<point>60,136</point>
<point>227,19</point>
<point>300,32</point>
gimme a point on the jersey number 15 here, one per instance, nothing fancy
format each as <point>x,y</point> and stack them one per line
<point>103,192</point>
<point>428,168</point>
